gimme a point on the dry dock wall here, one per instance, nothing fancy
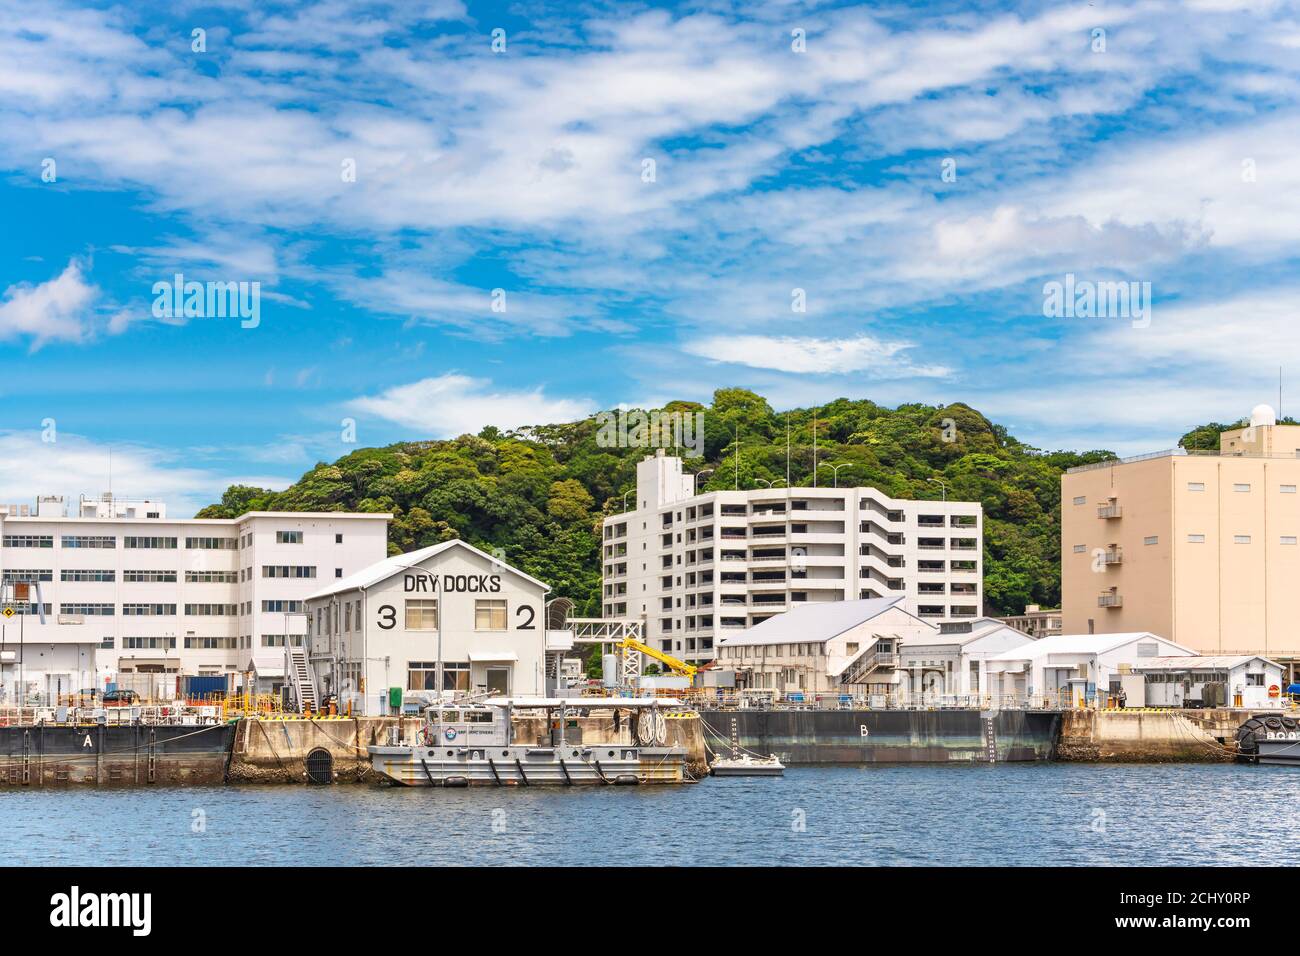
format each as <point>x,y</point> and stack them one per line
<point>277,751</point>
<point>1133,736</point>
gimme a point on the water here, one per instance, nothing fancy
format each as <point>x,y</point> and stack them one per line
<point>1010,814</point>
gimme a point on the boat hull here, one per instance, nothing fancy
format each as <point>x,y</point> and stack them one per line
<point>887,736</point>
<point>526,766</point>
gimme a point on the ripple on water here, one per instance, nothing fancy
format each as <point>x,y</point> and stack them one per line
<point>1011,814</point>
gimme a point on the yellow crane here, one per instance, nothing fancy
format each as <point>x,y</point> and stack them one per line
<point>672,663</point>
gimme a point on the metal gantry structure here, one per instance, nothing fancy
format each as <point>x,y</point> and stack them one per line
<point>626,637</point>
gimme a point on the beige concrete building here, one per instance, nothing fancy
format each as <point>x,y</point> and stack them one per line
<point>1196,547</point>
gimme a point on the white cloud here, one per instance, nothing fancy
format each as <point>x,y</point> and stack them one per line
<point>73,465</point>
<point>814,356</point>
<point>57,310</point>
<point>451,405</point>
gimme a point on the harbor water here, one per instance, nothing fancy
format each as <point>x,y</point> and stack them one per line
<point>973,814</point>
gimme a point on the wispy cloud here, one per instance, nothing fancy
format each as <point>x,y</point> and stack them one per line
<point>451,405</point>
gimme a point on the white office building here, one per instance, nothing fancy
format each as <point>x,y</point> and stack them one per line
<point>119,590</point>
<point>378,638</point>
<point>695,567</point>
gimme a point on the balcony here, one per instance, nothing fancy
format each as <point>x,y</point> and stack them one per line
<point>1112,556</point>
<point>1110,599</point>
<point>1111,510</point>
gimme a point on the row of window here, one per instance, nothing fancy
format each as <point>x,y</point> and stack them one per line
<point>198,543</point>
<point>193,642</point>
<point>1238,487</point>
<point>94,609</point>
<point>1286,539</point>
<point>419,614</point>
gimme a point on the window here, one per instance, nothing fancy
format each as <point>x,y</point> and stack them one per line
<point>1153,539</point>
<point>149,542</point>
<point>282,607</point>
<point>421,614</point>
<point>212,544</point>
<point>1288,539</point>
<point>106,643</point>
<point>149,577</point>
<point>1081,500</point>
<point>1147,650</point>
<point>149,643</point>
<point>338,538</point>
<point>1241,487</point>
<point>29,541</point>
<point>211,610</point>
<point>489,615</point>
<point>288,537</point>
<point>1196,539</point>
<point>288,571</point>
<point>851,648</point>
<point>279,640</point>
<point>91,610</point>
<point>148,610</point>
<point>80,574</point>
<point>422,675</point>
<point>88,541</point>
<point>1080,548</point>
<point>211,643</point>
<point>338,572</point>
<point>1287,489</point>
<point>27,574</point>
<point>1196,486</point>
<point>208,577</point>
<point>1241,539</point>
<point>1254,680</point>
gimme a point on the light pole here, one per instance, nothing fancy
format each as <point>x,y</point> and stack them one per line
<point>703,471</point>
<point>836,470</point>
<point>625,494</point>
<point>943,485</point>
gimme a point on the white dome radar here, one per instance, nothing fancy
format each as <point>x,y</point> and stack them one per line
<point>1262,415</point>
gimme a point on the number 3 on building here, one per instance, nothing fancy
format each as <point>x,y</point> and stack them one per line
<point>387,617</point>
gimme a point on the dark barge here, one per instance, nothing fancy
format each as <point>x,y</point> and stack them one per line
<point>55,755</point>
<point>861,736</point>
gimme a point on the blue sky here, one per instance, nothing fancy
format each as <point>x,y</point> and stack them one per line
<point>1167,157</point>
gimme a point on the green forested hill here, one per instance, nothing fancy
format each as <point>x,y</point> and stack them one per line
<point>540,492</point>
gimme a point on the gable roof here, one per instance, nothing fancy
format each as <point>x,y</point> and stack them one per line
<point>1198,662</point>
<point>980,627</point>
<point>385,569</point>
<point>1080,644</point>
<point>816,622</point>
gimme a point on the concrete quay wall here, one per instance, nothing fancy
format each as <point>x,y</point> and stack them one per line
<point>1149,735</point>
<point>276,751</point>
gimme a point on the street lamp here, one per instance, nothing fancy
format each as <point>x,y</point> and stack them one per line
<point>943,485</point>
<point>703,471</point>
<point>836,470</point>
<point>625,494</point>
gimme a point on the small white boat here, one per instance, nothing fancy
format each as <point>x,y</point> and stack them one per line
<point>474,744</point>
<point>747,765</point>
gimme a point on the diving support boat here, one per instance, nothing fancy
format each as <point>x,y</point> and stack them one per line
<point>474,744</point>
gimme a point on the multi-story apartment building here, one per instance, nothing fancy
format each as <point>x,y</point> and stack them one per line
<point>1197,547</point>
<point>695,566</point>
<point>126,590</point>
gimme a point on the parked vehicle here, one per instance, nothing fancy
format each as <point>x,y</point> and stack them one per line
<point>120,698</point>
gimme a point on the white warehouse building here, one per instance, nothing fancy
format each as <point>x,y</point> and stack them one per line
<point>694,567</point>
<point>383,632</point>
<point>120,590</point>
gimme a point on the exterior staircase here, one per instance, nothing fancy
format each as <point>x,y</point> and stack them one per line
<point>301,680</point>
<point>868,661</point>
